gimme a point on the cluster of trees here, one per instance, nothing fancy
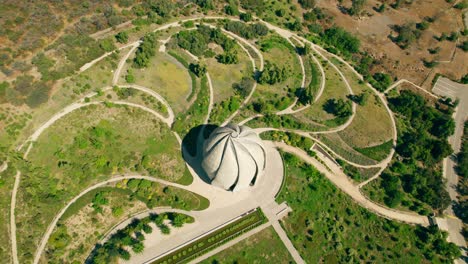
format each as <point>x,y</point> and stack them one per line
<point>132,236</point>
<point>381,81</point>
<point>423,145</point>
<point>338,107</point>
<point>145,51</point>
<point>99,200</point>
<point>461,209</point>
<point>229,57</point>
<point>356,7</point>
<point>244,87</point>
<point>435,246</point>
<point>342,40</point>
<point>122,37</point>
<point>222,110</point>
<point>292,139</point>
<point>248,31</point>
<point>196,41</point>
<point>407,34</point>
<point>273,73</point>
<point>198,69</point>
<point>391,185</point>
<point>360,99</point>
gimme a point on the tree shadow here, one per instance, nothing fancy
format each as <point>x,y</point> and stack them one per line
<point>192,148</point>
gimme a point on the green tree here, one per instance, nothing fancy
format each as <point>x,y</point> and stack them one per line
<point>307,4</point>
<point>122,37</point>
<point>338,107</point>
<point>272,74</point>
<point>228,58</point>
<point>198,69</point>
<point>356,7</point>
<point>245,17</point>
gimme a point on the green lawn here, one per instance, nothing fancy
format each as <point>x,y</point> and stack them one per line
<point>335,88</point>
<point>166,76</point>
<point>223,76</point>
<point>372,124</point>
<point>83,148</point>
<point>282,54</point>
<point>341,147</point>
<point>263,247</point>
<point>326,226</point>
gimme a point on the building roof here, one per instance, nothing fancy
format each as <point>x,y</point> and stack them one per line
<point>234,156</point>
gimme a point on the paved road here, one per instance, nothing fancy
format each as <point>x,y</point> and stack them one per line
<point>446,88</point>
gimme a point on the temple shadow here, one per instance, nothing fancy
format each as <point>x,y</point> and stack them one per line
<point>192,148</point>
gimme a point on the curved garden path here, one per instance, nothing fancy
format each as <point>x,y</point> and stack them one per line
<point>415,85</point>
<point>306,134</point>
<point>52,225</point>
<point>210,105</point>
<point>14,248</point>
<point>115,78</point>
<point>340,180</point>
<point>336,176</point>
<point>4,166</point>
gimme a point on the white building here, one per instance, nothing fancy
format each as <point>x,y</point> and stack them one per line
<point>233,157</point>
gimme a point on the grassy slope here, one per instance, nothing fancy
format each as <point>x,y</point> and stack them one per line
<point>334,88</point>
<point>44,191</point>
<point>327,226</point>
<point>223,76</point>
<point>86,226</point>
<point>166,76</point>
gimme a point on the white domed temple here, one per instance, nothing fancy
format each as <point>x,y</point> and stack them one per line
<point>234,157</point>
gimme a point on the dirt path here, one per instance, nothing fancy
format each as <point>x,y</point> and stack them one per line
<point>323,79</point>
<point>210,105</point>
<point>254,87</point>
<point>115,78</point>
<point>339,179</point>
<point>306,134</point>
<point>91,63</point>
<point>337,176</point>
<point>52,225</point>
<point>170,118</point>
<point>415,85</point>
<point>4,167</point>
<point>289,109</point>
<point>14,249</point>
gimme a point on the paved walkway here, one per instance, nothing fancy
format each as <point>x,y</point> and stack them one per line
<point>224,203</point>
<point>339,179</point>
<point>14,249</point>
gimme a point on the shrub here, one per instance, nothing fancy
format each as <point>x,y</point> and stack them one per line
<point>338,107</point>
<point>122,37</point>
<point>145,51</point>
<point>272,74</point>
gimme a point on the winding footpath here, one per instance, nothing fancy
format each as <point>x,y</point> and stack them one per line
<point>14,249</point>
<point>340,180</point>
<point>330,169</point>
